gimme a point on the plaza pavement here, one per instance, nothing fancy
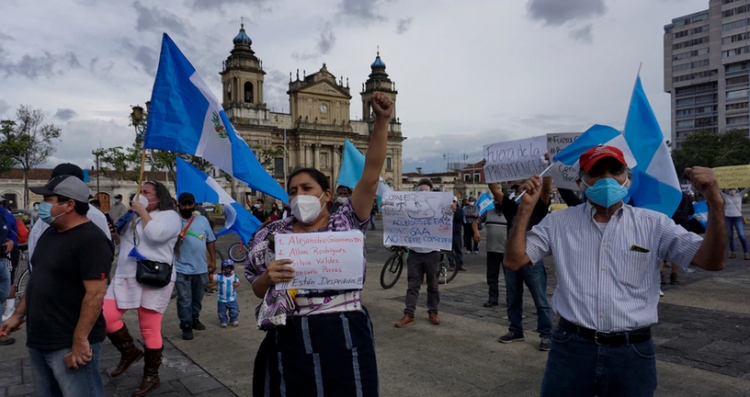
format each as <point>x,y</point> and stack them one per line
<point>703,341</point>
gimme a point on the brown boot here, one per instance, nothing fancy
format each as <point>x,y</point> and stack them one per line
<point>747,257</point>
<point>434,319</point>
<point>130,353</point>
<point>732,255</point>
<point>151,379</point>
<point>405,321</point>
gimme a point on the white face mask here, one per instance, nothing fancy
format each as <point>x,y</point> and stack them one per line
<point>144,201</point>
<point>342,200</point>
<point>306,208</point>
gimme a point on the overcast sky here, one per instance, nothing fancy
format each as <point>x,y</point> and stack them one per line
<point>468,73</point>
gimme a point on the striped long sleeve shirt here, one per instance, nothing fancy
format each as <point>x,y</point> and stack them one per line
<point>608,273</point>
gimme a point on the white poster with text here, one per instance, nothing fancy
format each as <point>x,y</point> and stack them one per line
<point>329,260</point>
<point>565,176</point>
<point>514,160</point>
<point>418,219</point>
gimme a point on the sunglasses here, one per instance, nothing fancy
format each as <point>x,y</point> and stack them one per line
<point>600,170</point>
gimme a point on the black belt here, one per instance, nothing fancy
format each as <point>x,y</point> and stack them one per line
<point>639,335</point>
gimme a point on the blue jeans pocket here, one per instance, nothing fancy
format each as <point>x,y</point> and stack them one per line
<point>644,350</point>
<point>561,336</point>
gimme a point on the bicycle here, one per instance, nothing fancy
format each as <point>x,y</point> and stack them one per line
<point>447,268</point>
<point>23,263</point>
<point>237,252</point>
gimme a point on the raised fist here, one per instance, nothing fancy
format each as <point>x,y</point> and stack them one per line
<point>382,106</point>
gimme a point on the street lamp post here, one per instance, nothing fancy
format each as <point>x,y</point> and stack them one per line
<point>138,121</point>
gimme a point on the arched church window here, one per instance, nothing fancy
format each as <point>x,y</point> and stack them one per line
<point>229,91</point>
<point>249,92</point>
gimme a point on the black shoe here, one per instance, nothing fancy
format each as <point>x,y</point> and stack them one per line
<point>673,279</point>
<point>187,334</point>
<point>198,325</point>
<point>4,340</point>
<point>544,345</point>
<point>510,337</point>
<point>489,304</point>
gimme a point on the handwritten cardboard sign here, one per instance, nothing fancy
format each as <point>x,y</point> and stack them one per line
<point>329,260</point>
<point>686,188</point>
<point>565,176</point>
<point>418,219</point>
<point>733,177</point>
<point>514,160</point>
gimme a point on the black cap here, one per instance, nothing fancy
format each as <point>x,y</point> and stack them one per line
<point>186,198</point>
<point>67,169</point>
<point>119,196</point>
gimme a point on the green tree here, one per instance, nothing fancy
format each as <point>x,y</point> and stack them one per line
<point>9,145</point>
<point>121,160</point>
<point>34,141</point>
<point>708,149</point>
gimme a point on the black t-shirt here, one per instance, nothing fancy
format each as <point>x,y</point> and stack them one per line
<point>259,214</point>
<point>55,292</point>
<point>510,209</point>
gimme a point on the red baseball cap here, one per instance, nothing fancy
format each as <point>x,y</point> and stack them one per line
<point>596,153</point>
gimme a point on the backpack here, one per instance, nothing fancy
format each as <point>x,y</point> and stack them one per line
<point>23,232</point>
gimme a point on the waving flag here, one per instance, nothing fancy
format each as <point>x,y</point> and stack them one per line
<point>596,135</point>
<point>485,203</point>
<point>655,184</point>
<point>185,116</point>
<point>352,166</point>
<point>206,190</point>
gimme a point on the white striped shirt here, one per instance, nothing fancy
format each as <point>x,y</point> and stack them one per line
<point>603,283</point>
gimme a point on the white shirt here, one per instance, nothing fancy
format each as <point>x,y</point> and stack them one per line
<point>38,229</point>
<point>156,241</point>
<point>604,279</point>
<point>733,204</point>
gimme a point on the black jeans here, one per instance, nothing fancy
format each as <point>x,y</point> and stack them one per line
<point>417,266</point>
<point>469,242</point>
<point>494,265</point>
<point>457,251</point>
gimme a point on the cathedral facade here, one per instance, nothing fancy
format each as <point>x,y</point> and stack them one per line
<point>312,134</point>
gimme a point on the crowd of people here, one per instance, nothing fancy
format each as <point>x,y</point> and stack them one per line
<point>321,342</point>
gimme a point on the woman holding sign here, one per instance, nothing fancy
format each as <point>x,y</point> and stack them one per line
<point>317,339</point>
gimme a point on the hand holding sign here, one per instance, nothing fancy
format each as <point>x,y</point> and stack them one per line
<point>278,272</point>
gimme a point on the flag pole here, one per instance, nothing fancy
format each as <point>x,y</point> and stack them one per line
<point>140,177</point>
<point>518,198</point>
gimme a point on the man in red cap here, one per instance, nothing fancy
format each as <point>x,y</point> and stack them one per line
<point>607,257</point>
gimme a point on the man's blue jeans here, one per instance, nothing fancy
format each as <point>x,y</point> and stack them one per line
<point>578,367</point>
<point>234,312</point>
<point>5,280</point>
<point>52,378</point>
<point>190,291</point>
<point>735,222</point>
<point>535,277</point>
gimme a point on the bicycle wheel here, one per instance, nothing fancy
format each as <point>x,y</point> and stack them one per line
<point>21,284</point>
<point>392,270</point>
<point>238,252</point>
<point>447,259</point>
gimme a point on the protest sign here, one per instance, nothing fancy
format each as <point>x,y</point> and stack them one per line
<point>514,160</point>
<point>686,188</point>
<point>418,219</point>
<point>733,177</point>
<point>565,176</point>
<point>329,260</point>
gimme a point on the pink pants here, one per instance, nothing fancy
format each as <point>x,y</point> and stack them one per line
<point>149,320</point>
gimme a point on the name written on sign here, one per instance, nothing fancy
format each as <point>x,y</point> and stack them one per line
<point>329,260</point>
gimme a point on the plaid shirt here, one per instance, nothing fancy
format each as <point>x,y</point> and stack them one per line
<point>260,254</point>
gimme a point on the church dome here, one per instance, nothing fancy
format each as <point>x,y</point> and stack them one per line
<point>378,63</point>
<point>242,37</point>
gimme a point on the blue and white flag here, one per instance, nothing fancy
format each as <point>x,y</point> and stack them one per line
<point>206,190</point>
<point>352,166</point>
<point>485,202</point>
<point>185,116</point>
<point>594,136</point>
<point>701,213</point>
<point>655,184</point>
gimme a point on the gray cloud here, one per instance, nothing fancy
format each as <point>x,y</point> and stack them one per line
<point>156,20</point>
<point>275,86</point>
<point>4,36</point>
<point>203,5</point>
<point>367,11</point>
<point>556,12</point>
<point>145,56</point>
<point>4,106</point>
<point>403,25</point>
<point>324,45</point>
<point>82,136</point>
<point>65,114</point>
<point>582,34</point>
<point>32,67</point>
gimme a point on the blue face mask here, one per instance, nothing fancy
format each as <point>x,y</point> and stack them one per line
<point>44,212</point>
<point>606,192</point>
